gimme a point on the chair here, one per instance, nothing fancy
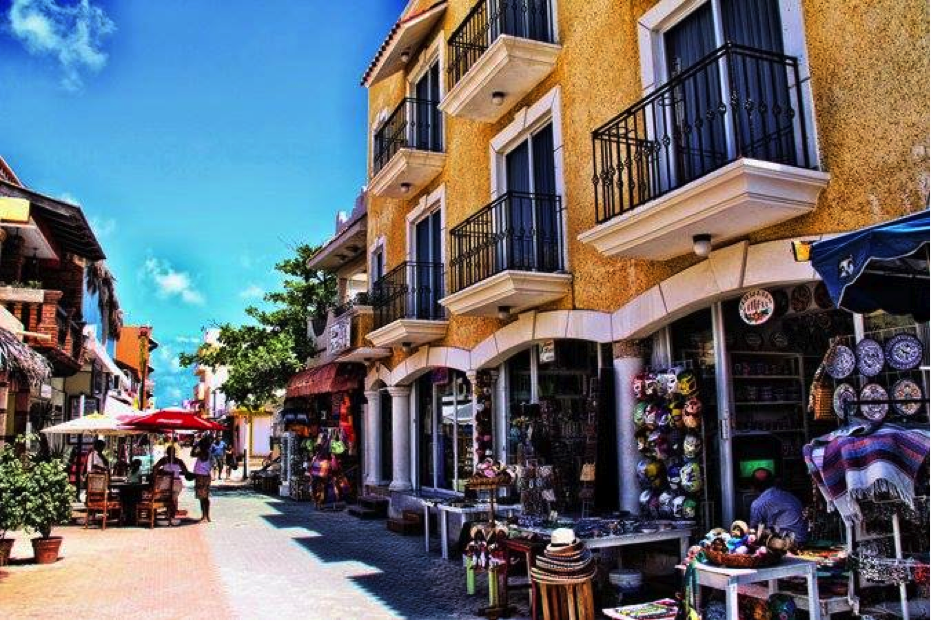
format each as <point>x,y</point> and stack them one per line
<point>98,501</point>
<point>155,500</point>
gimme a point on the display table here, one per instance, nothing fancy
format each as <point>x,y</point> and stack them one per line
<point>682,535</point>
<point>730,580</point>
<point>443,511</point>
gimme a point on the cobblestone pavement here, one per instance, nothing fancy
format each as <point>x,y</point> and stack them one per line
<point>261,557</point>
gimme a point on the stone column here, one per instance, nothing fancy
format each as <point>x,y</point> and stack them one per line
<point>628,361</point>
<point>401,438</point>
<point>373,437</point>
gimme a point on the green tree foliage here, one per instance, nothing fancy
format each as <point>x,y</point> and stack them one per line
<point>263,354</point>
<point>13,483</point>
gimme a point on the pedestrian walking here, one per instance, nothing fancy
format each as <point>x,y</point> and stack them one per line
<point>218,452</point>
<point>231,462</point>
<point>203,467</point>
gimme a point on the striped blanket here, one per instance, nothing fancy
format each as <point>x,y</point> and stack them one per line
<point>862,462</point>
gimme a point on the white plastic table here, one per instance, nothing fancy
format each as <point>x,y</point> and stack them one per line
<point>730,580</point>
<point>443,512</point>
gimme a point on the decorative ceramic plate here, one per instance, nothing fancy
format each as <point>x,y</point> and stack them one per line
<point>842,363</point>
<point>874,411</point>
<point>823,321</point>
<point>779,340</point>
<point>870,358</point>
<point>781,302</point>
<point>906,389</point>
<point>801,298</point>
<point>842,394</point>
<point>903,352</point>
<point>753,339</point>
<point>822,297</point>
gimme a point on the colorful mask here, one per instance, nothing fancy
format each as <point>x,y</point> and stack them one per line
<point>645,497</point>
<point>664,419</point>
<point>650,416</point>
<point>691,477</point>
<point>677,503</point>
<point>691,446</point>
<point>651,386</point>
<point>637,385</point>
<point>674,476</point>
<point>688,383</point>
<point>675,440</point>
<point>659,444</point>
<point>689,509</point>
<point>675,410</point>
<point>671,383</point>
<point>642,473</point>
<point>640,413</point>
<point>642,445</point>
<point>665,503</point>
<point>656,474</point>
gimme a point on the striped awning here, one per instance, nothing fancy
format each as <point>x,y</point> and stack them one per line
<point>327,378</point>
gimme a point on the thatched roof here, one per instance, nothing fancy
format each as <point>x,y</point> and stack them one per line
<point>21,362</point>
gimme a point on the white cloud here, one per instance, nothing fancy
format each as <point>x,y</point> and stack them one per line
<point>73,33</point>
<point>172,283</point>
<point>188,340</point>
<point>103,227</point>
<point>252,291</point>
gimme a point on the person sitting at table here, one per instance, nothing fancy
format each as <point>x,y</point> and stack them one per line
<point>170,464</point>
<point>135,471</point>
<point>96,462</point>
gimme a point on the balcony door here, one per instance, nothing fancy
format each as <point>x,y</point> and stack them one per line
<point>426,121</point>
<point>426,275</point>
<point>530,216</point>
<point>527,19</point>
<point>752,88</point>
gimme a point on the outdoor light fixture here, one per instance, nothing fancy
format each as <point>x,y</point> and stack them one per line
<point>405,56</point>
<point>504,312</point>
<point>701,244</point>
<point>497,98</point>
<point>405,187</point>
<point>406,348</point>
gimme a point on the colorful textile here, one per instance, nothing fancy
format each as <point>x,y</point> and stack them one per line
<point>860,462</point>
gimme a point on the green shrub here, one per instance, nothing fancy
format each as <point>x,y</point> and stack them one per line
<point>48,497</point>
<point>13,483</point>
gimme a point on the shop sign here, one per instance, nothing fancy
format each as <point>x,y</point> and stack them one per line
<point>547,351</point>
<point>756,307</point>
<point>440,376</point>
<point>340,334</point>
<point>45,391</point>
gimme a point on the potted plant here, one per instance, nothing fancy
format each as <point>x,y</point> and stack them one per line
<point>48,496</point>
<point>12,485</point>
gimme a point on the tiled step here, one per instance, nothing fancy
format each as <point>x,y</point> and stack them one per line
<point>364,513</point>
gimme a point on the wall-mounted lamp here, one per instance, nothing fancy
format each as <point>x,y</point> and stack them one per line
<point>497,98</point>
<point>701,244</point>
<point>405,56</point>
<point>405,187</point>
<point>406,348</point>
<point>504,312</point>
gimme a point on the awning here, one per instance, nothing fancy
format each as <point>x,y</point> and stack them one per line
<point>883,267</point>
<point>99,352</point>
<point>406,35</point>
<point>327,378</point>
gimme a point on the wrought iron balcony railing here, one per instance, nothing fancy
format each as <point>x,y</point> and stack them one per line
<point>528,19</point>
<point>516,231</point>
<point>736,102</point>
<point>414,124</point>
<point>412,290</point>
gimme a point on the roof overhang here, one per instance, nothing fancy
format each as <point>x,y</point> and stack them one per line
<point>407,34</point>
<point>346,247</point>
<point>65,222</point>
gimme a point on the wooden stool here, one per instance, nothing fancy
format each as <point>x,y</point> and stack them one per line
<point>566,599</point>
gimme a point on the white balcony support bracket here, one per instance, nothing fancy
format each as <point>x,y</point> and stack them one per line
<point>745,196</point>
<point>516,290</point>
<point>511,65</point>
<point>407,173</point>
<point>414,332</point>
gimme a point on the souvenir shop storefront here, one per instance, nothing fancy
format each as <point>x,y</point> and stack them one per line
<point>321,434</point>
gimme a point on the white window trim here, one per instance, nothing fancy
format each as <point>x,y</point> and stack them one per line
<point>667,13</point>
<point>547,109</point>
<point>377,245</point>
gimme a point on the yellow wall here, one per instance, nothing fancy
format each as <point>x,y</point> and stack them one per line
<point>869,66</point>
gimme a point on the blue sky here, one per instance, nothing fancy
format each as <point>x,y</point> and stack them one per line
<point>202,138</point>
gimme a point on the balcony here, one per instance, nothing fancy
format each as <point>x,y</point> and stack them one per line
<point>343,337</point>
<point>508,257</point>
<point>407,150</point>
<point>48,326</point>
<point>406,305</point>
<point>722,149</point>
<point>499,53</point>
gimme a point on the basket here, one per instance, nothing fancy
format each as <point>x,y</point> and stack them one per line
<point>741,561</point>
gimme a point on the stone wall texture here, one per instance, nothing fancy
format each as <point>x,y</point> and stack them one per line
<point>869,66</point>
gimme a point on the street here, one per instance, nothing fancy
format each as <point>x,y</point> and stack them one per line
<point>261,557</point>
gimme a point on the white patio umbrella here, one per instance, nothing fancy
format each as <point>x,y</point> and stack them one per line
<point>96,425</point>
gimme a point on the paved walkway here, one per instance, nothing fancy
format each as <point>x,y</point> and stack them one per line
<point>261,557</point>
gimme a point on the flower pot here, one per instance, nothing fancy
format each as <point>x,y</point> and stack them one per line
<point>46,550</point>
<point>6,545</point>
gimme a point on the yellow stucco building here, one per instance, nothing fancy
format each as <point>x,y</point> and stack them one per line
<point>565,192</point>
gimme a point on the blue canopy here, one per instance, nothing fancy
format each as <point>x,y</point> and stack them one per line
<point>883,267</point>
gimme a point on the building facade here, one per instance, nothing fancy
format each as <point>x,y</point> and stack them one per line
<point>564,193</point>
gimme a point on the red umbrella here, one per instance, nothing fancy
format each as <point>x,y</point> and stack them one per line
<point>175,419</point>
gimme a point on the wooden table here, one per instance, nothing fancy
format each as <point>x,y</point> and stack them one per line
<point>730,580</point>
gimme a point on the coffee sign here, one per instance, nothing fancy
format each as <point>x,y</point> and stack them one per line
<point>756,307</point>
